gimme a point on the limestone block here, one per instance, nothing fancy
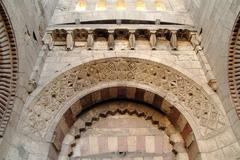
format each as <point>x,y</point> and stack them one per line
<point>182,156</point>
<point>150,144</point>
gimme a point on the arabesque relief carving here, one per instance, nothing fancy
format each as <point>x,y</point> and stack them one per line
<point>52,98</point>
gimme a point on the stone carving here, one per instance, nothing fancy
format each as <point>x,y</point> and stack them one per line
<point>68,36</point>
<point>234,65</point>
<point>8,69</point>
<point>196,101</point>
<point>32,85</point>
<point>123,108</point>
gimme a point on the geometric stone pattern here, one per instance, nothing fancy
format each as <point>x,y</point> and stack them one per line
<point>126,108</point>
<point>85,120</point>
<point>195,101</point>
<point>147,144</point>
<point>234,65</point>
<point>8,69</point>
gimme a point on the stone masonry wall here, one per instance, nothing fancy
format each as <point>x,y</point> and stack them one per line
<point>216,20</point>
<point>29,23</point>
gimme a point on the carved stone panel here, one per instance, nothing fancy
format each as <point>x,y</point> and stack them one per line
<point>204,111</point>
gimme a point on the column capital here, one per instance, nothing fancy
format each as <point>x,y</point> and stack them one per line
<point>111,31</point>
<point>132,31</point>
<point>69,31</point>
<point>174,31</point>
<point>153,31</point>
<point>90,31</point>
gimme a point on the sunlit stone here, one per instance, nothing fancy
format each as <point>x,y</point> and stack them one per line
<point>81,6</point>
<point>121,5</point>
<point>101,5</point>
<point>140,5</point>
<point>160,6</point>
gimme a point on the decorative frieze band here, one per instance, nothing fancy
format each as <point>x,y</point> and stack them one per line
<point>203,109</point>
<point>67,36</point>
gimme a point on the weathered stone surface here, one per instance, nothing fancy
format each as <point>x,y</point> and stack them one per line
<point>82,77</point>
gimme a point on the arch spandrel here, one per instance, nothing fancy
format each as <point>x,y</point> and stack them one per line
<point>202,108</point>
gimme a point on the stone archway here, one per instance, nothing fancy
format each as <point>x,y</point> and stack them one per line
<point>8,68</point>
<point>52,106</point>
<point>124,93</point>
<point>123,129</point>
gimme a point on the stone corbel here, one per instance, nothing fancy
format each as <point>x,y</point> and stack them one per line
<point>111,41</point>
<point>48,40</point>
<point>193,39</point>
<point>132,40</point>
<point>173,40</point>
<point>32,85</point>
<point>153,40</point>
<point>212,81</point>
<point>69,41</point>
<point>90,40</point>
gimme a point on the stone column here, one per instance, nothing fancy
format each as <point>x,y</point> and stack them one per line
<point>153,40</point>
<point>174,40</point>
<point>111,42</point>
<point>132,40</point>
<point>90,40</point>
<point>48,40</point>
<point>69,41</point>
